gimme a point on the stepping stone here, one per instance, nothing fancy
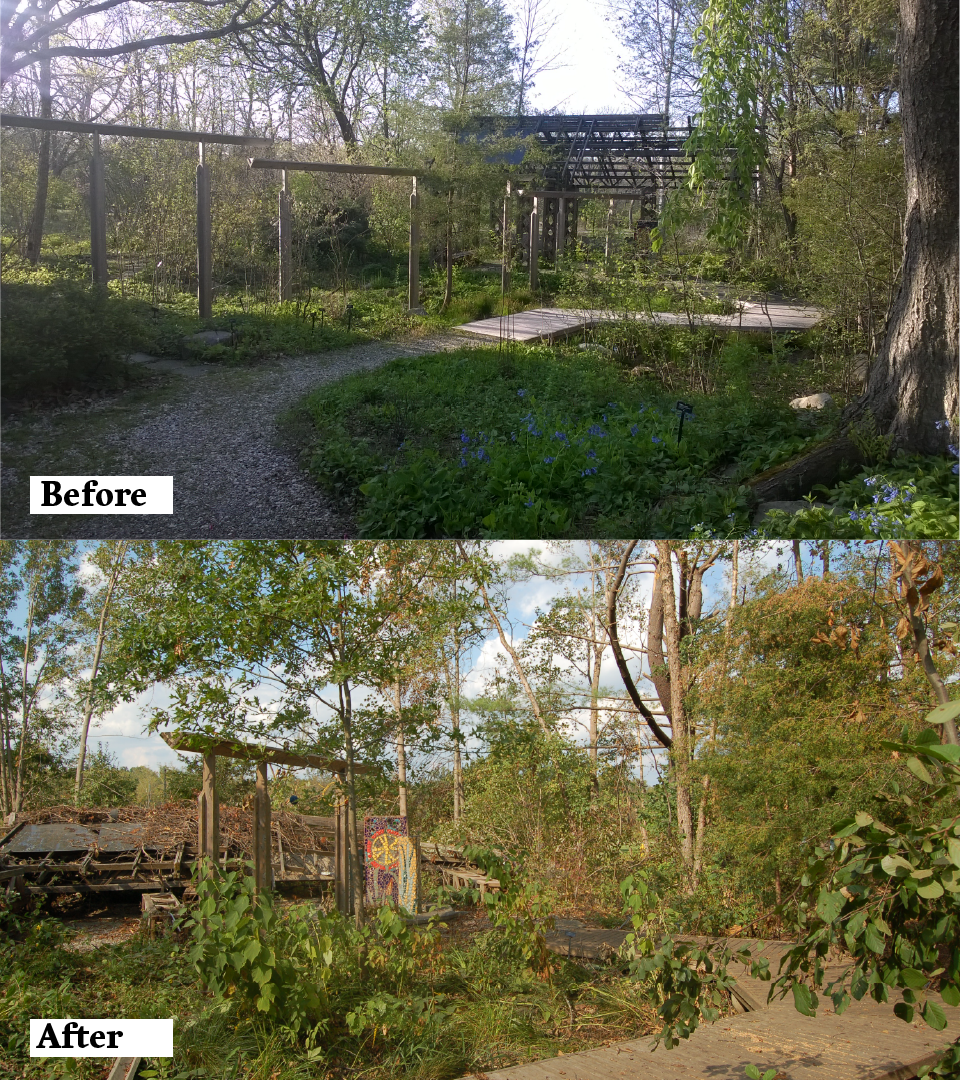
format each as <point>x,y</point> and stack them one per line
<point>212,337</point>
<point>812,401</point>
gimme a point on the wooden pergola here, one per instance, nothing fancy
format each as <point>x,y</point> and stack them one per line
<point>413,257</point>
<point>562,199</point>
<point>209,816</point>
<point>98,195</point>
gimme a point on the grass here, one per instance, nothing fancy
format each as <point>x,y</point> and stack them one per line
<point>908,497</point>
<point>535,441</point>
<point>441,446</point>
<point>64,337</point>
<point>484,1012</point>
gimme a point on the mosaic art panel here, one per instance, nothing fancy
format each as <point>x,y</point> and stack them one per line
<point>381,836</point>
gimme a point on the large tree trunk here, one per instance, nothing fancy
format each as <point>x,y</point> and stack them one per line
<point>913,384</point>
<point>682,750</point>
<point>35,235</point>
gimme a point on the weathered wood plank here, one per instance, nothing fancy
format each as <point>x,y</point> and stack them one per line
<point>551,323</point>
<point>866,1043</point>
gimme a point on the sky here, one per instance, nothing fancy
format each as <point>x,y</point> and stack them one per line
<point>586,81</point>
<point>122,730</point>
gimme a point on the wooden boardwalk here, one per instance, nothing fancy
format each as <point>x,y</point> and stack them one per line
<point>549,324</point>
<point>866,1043</point>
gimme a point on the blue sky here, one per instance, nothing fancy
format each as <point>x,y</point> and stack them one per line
<point>122,730</point>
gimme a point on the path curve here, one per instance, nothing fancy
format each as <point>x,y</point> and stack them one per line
<point>217,435</point>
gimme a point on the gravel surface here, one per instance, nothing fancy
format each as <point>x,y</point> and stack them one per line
<point>217,435</point>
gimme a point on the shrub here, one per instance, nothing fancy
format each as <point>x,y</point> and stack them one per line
<point>59,335</point>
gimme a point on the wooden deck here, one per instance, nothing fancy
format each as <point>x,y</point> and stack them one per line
<point>550,324</point>
<point>866,1043</point>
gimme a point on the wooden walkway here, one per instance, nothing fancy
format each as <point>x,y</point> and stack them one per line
<point>866,1043</point>
<point>550,324</point>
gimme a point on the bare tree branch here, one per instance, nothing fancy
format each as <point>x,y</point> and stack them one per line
<point>612,595</point>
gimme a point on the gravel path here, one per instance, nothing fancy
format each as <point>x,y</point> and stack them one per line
<point>217,435</point>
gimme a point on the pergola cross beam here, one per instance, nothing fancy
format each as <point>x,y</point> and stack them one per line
<point>284,230</point>
<point>98,205</point>
<point>208,823</point>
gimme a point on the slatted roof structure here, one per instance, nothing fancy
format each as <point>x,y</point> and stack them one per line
<point>633,153</point>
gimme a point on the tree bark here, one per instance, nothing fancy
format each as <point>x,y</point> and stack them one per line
<point>659,675</point>
<point>26,699</point>
<point>353,835</point>
<point>98,652</point>
<point>680,752</point>
<point>35,236</point>
<point>455,727</point>
<point>795,478</point>
<point>401,751</point>
<point>613,593</point>
<point>913,384</point>
<point>448,255</point>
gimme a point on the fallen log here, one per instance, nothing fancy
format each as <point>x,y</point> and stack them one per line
<point>824,464</point>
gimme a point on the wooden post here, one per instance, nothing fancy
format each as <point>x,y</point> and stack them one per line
<point>607,248</point>
<point>505,264</point>
<point>342,859</point>
<point>286,275</point>
<point>337,858</point>
<point>534,246</point>
<point>98,215</point>
<point>413,257</point>
<point>561,232</point>
<point>210,813</point>
<point>204,240</point>
<point>262,853</point>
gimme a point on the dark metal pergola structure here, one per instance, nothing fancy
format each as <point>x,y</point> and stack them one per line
<point>98,194</point>
<point>624,153</point>
<point>635,157</point>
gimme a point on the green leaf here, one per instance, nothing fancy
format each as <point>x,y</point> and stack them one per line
<point>953,849</point>
<point>916,766</point>
<point>934,1015</point>
<point>913,978</point>
<point>803,1000</point>
<point>931,890</point>
<point>947,753</point>
<point>873,940</point>
<point>904,1011</point>
<point>829,905</point>
<point>863,818</point>
<point>892,863</point>
<point>950,994</point>
<point>943,713</point>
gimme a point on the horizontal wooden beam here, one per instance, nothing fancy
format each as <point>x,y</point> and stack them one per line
<point>195,743</point>
<point>622,196</point>
<point>331,166</point>
<point>49,124</point>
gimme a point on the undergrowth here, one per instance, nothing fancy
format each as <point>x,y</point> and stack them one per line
<point>538,442</point>
<point>275,990</point>
<point>909,497</point>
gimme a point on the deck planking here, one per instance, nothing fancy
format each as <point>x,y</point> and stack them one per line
<point>867,1042</point>
<point>550,324</point>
